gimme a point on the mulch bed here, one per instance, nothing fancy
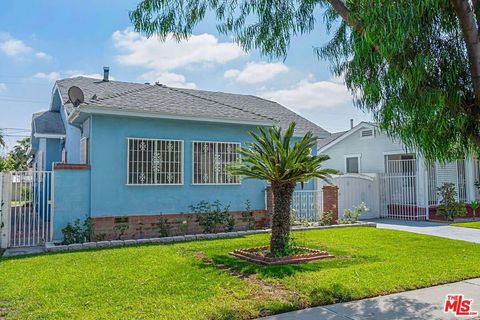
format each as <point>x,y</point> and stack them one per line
<point>261,255</point>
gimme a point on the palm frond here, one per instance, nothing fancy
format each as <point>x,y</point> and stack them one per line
<point>275,156</point>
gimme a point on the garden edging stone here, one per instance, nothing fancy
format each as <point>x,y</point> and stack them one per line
<point>52,247</point>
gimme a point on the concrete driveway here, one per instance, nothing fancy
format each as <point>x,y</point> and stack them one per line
<point>425,303</point>
<point>431,228</point>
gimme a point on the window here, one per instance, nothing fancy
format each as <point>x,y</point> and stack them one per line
<point>366,133</point>
<point>155,162</point>
<point>210,160</point>
<point>352,164</point>
<point>84,150</point>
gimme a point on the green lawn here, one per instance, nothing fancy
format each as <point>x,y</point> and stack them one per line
<point>199,280</point>
<point>472,224</point>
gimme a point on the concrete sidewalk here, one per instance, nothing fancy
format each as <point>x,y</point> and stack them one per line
<point>425,303</point>
<point>431,228</point>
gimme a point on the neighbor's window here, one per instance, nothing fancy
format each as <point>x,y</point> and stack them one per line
<point>352,164</point>
<point>210,161</point>
<point>155,161</point>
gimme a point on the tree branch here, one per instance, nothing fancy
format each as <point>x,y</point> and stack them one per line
<point>343,12</point>
<point>468,24</point>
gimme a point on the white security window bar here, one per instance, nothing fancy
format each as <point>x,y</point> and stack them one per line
<point>155,162</point>
<point>210,162</point>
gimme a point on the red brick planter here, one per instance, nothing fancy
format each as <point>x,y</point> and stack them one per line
<point>258,255</point>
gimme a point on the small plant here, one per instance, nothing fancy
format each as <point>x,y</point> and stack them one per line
<point>326,218</point>
<point>449,207</point>
<point>474,205</point>
<point>213,217</point>
<point>163,228</point>
<point>248,216</point>
<point>120,229</point>
<point>352,216</point>
<point>77,232</point>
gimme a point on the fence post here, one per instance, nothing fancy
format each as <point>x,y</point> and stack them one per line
<point>427,194</point>
<point>330,200</point>
<point>5,203</point>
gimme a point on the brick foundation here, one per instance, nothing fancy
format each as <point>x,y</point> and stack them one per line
<point>154,226</point>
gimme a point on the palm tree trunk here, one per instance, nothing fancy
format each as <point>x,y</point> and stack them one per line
<point>282,197</point>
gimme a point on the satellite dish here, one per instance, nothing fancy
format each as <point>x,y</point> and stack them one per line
<point>75,95</point>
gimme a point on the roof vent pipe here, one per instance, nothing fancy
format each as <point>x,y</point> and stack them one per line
<point>106,71</point>
<point>351,123</point>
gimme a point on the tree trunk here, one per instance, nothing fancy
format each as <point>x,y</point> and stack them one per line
<point>282,197</point>
<point>468,23</point>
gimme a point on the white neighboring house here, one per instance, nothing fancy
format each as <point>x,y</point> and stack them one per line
<point>397,182</point>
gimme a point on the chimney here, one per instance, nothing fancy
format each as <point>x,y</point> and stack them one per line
<point>106,71</point>
<point>351,123</point>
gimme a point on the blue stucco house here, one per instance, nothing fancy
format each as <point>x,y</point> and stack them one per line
<point>141,154</point>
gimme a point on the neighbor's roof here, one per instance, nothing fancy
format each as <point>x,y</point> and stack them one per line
<point>47,122</point>
<point>125,96</point>
<point>334,136</point>
<point>337,137</point>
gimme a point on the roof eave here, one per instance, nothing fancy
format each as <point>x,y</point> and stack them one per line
<point>96,109</point>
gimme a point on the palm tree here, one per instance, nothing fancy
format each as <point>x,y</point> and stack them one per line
<point>273,157</point>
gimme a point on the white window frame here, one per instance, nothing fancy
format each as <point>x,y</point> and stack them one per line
<point>353,155</point>
<point>367,137</point>
<point>182,165</point>
<point>216,183</point>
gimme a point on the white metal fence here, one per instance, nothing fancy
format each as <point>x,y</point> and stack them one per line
<point>307,205</point>
<point>27,208</point>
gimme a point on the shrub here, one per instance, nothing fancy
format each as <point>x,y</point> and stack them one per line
<point>352,216</point>
<point>163,228</point>
<point>449,207</point>
<point>475,205</point>
<point>248,217</point>
<point>121,228</point>
<point>213,217</point>
<point>77,232</point>
<point>326,218</point>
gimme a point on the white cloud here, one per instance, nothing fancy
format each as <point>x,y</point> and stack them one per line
<point>256,72</point>
<point>168,55</point>
<point>55,75</point>
<point>3,87</point>
<point>310,94</point>
<point>14,47</point>
<point>17,48</point>
<point>43,56</point>
<point>51,76</point>
<point>167,78</point>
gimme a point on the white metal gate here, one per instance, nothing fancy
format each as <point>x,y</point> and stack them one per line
<point>27,208</point>
<point>399,189</point>
<point>307,205</point>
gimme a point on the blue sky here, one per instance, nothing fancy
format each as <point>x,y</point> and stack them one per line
<point>41,41</point>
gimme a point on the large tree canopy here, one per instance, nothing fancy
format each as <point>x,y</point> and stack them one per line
<point>414,64</point>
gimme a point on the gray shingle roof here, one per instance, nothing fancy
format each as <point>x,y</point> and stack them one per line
<point>334,136</point>
<point>127,96</point>
<point>47,122</point>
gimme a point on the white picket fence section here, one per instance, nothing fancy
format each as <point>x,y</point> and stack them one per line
<point>307,205</point>
<point>27,208</point>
